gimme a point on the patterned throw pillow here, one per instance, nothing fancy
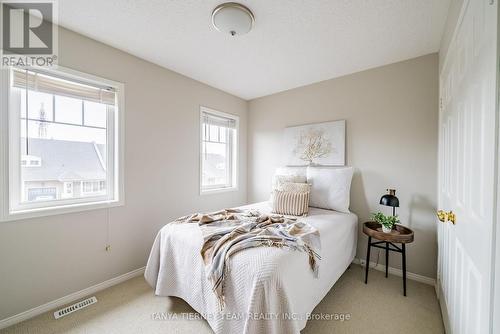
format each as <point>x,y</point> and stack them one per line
<point>291,199</point>
<point>293,187</point>
<point>279,180</point>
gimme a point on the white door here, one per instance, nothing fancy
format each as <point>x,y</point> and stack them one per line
<point>467,151</point>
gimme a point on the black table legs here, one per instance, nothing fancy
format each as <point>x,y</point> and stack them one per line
<point>368,259</point>
<point>386,259</point>
<point>389,246</point>
<point>403,253</point>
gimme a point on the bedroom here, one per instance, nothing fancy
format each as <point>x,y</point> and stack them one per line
<point>142,112</point>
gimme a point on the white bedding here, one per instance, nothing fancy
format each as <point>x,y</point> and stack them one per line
<point>267,290</point>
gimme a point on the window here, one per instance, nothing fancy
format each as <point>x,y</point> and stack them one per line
<point>91,188</point>
<point>219,134</point>
<point>63,142</point>
<point>68,188</point>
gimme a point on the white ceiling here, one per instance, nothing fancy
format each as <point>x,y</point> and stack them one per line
<point>293,43</point>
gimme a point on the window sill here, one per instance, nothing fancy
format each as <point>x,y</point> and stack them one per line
<point>59,210</point>
<point>218,190</point>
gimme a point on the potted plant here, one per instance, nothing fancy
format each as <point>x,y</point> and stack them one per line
<point>387,222</point>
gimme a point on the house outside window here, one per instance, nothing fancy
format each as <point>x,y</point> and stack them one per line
<point>64,133</point>
<point>218,151</point>
<point>92,188</point>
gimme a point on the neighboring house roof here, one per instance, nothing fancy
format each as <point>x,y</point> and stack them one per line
<point>65,161</point>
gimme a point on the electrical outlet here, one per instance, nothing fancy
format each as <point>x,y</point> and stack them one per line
<point>108,248</point>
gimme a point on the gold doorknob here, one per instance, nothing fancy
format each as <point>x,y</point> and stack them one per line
<point>442,216</point>
<point>452,217</point>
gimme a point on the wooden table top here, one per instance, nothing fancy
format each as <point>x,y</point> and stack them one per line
<point>399,233</point>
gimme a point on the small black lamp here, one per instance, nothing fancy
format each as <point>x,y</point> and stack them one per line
<point>390,199</point>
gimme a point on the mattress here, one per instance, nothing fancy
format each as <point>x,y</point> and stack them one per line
<point>267,290</point>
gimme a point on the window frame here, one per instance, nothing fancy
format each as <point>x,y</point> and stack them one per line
<point>10,153</point>
<point>234,153</point>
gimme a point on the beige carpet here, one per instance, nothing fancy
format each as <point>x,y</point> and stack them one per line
<point>378,307</point>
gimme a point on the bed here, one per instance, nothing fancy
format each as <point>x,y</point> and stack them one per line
<point>267,290</point>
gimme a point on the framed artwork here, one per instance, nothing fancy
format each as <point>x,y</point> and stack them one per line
<point>315,144</point>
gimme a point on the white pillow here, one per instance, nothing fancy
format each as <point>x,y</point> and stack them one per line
<point>330,187</point>
<point>288,174</point>
<point>299,172</point>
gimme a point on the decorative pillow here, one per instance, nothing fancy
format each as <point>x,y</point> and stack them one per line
<point>293,187</point>
<point>290,202</point>
<point>284,175</point>
<point>330,187</point>
<point>280,180</point>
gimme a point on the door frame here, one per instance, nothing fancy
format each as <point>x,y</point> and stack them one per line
<point>495,302</point>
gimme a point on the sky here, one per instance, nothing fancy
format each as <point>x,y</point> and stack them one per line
<point>67,110</point>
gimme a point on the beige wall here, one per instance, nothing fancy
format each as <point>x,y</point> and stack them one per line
<point>392,117</point>
<point>454,13</point>
<point>47,258</point>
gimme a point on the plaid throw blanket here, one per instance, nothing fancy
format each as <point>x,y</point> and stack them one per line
<point>229,231</point>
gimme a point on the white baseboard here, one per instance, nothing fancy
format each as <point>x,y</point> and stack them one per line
<point>69,298</point>
<point>436,287</point>
<point>398,272</point>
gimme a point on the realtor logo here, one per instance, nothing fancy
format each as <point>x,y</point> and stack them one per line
<point>29,33</point>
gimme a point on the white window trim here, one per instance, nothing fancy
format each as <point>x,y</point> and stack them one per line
<point>235,167</point>
<point>65,205</point>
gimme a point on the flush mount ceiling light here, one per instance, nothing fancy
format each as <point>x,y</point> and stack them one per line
<point>232,18</point>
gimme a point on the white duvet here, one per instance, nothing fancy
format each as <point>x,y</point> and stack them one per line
<point>267,290</point>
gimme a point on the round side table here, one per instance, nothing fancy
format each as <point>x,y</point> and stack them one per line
<point>399,234</point>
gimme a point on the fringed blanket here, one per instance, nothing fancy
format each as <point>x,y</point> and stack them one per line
<point>229,231</point>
